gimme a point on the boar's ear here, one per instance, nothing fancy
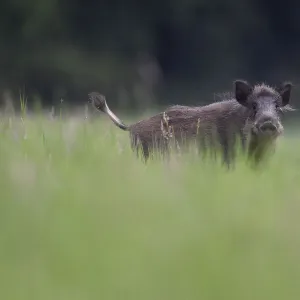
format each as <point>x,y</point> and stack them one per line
<point>284,91</point>
<point>242,90</point>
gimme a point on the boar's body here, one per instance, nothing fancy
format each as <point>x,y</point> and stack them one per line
<point>212,126</point>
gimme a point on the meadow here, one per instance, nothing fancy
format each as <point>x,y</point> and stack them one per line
<point>82,218</point>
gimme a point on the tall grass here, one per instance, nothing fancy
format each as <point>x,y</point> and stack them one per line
<point>82,218</point>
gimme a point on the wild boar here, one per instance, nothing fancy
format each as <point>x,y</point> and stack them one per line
<point>252,114</point>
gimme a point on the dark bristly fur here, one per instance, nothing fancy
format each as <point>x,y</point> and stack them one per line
<point>253,115</point>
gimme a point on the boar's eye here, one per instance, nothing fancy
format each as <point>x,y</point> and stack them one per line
<point>254,106</point>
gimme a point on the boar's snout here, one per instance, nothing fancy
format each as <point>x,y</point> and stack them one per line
<point>267,126</point>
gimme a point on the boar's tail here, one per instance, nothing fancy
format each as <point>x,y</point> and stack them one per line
<point>99,102</point>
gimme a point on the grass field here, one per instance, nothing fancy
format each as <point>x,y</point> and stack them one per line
<point>82,218</point>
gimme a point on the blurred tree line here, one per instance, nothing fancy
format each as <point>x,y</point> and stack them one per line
<point>141,52</point>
